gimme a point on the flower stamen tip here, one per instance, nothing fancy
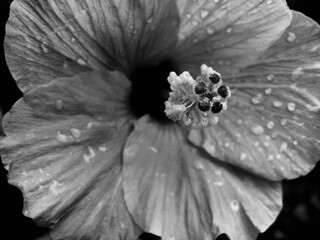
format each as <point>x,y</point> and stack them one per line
<point>196,103</point>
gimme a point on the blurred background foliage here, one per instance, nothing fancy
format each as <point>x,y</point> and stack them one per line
<point>299,219</point>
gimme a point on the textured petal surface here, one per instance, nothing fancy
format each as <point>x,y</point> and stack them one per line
<point>227,35</point>
<point>65,156</point>
<point>272,125</point>
<point>178,191</point>
<point>50,39</point>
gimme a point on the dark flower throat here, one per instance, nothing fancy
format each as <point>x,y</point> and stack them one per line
<point>150,89</point>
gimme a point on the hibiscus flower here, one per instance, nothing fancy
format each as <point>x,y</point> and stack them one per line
<point>89,144</point>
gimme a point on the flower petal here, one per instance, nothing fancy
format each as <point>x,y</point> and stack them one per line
<point>228,35</point>
<point>175,190</point>
<point>66,159</point>
<point>50,39</point>
<point>272,125</point>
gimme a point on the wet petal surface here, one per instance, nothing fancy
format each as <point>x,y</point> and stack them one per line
<point>227,35</point>
<point>272,126</point>
<point>65,156</point>
<point>178,191</point>
<point>50,39</point>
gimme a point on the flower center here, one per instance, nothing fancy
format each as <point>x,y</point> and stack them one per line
<point>150,89</point>
<point>196,103</point>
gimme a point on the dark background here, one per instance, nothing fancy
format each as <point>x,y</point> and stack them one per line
<point>299,219</point>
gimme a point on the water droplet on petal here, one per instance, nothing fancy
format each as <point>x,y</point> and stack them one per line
<point>204,13</point>
<point>235,206</point>
<point>239,121</point>
<point>44,47</point>
<point>150,19</point>
<point>81,61</point>
<point>153,149</point>
<point>62,137</point>
<point>283,147</point>
<point>270,77</point>
<point>291,36</point>
<point>218,183</point>
<point>229,30</point>
<point>277,104</point>
<point>291,106</point>
<point>188,15</point>
<point>216,1</point>
<point>257,129</point>
<point>210,30</point>
<point>243,156</point>
<point>87,157</point>
<point>270,124</point>
<point>283,122</point>
<point>131,150</point>
<point>268,91</point>
<point>257,99</point>
<point>102,149</point>
<point>194,23</point>
<point>295,142</point>
<point>59,104</point>
<point>199,165</point>
<point>269,2</point>
<point>76,133</point>
<point>73,39</point>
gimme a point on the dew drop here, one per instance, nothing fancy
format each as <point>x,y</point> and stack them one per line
<point>44,47</point>
<point>291,36</point>
<point>291,106</point>
<point>199,165</point>
<point>58,105</point>
<point>73,39</point>
<point>188,15</point>
<point>181,36</point>
<point>81,61</point>
<point>123,225</point>
<point>194,23</point>
<point>243,156</point>
<point>268,91</point>
<point>270,124</point>
<point>295,142</point>
<point>283,122</point>
<point>269,2</point>
<point>150,20</point>
<point>62,138</point>
<point>210,30</point>
<point>216,1</point>
<point>76,133</point>
<point>102,149</point>
<point>257,99</point>
<point>229,30</point>
<point>87,157</point>
<point>153,149</point>
<point>204,13</point>
<point>257,129</point>
<point>283,147</point>
<point>277,104</point>
<point>218,183</point>
<point>131,150</point>
<point>270,77</point>
<point>235,206</point>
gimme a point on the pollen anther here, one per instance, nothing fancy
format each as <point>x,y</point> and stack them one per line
<point>196,103</point>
